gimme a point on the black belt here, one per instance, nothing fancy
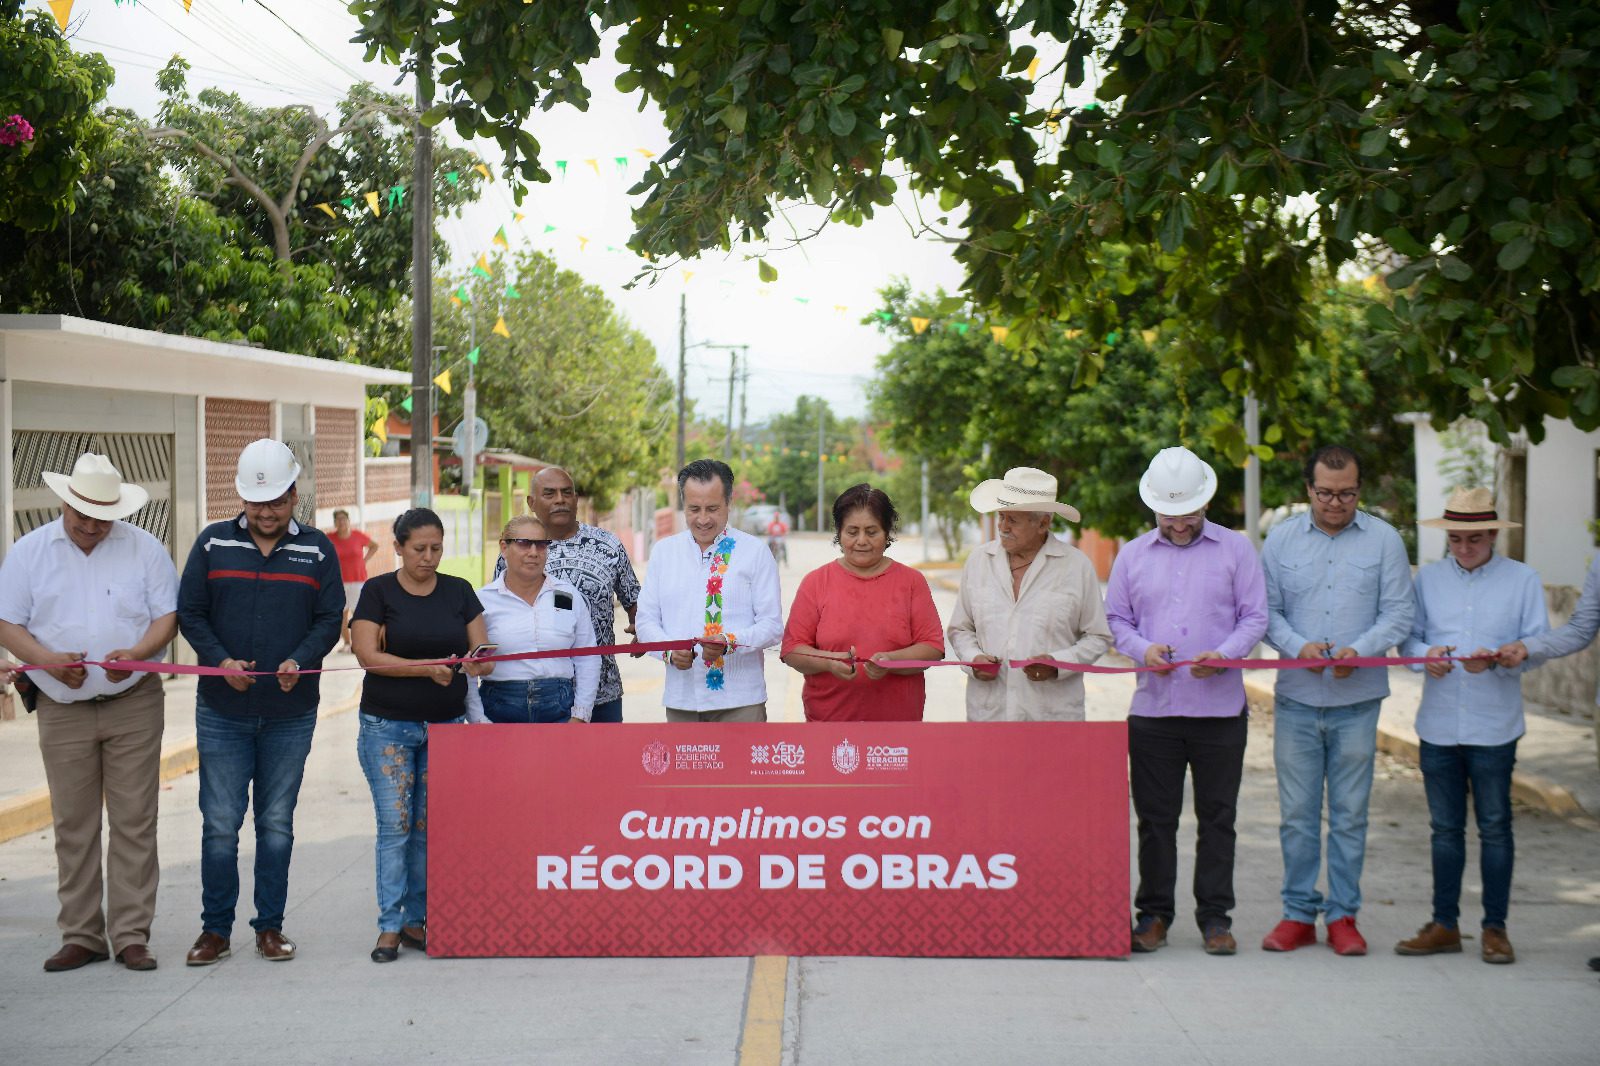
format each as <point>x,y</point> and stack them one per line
<point>117,695</point>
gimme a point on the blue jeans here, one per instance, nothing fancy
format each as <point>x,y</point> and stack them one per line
<point>241,755</point>
<point>394,756</point>
<point>609,711</point>
<point>1447,773</point>
<point>541,699</point>
<point>1315,748</point>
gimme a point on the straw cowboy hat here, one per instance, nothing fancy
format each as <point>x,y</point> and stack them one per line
<point>1469,510</point>
<point>96,489</point>
<point>1022,489</point>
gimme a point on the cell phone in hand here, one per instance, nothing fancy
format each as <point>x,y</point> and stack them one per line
<point>479,652</point>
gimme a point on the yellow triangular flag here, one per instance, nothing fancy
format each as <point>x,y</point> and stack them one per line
<point>500,327</point>
<point>687,274</point>
<point>840,308</point>
<point>1033,69</point>
<point>1073,334</point>
<point>918,324</point>
<point>483,263</point>
<point>517,216</point>
<point>379,430</point>
<point>999,333</point>
<point>1149,335</point>
<point>455,299</point>
<point>62,10</point>
<point>186,4</point>
<point>593,164</point>
<point>443,380</point>
<point>481,169</point>
<point>583,243</point>
<point>500,239</point>
<point>329,209</point>
<point>647,153</point>
<point>372,201</point>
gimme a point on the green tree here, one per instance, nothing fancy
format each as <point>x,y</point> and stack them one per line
<point>1261,143</point>
<point>783,457</point>
<point>57,91</point>
<point>574,384</point>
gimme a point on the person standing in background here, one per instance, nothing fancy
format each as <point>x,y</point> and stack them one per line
<point>355,550</point>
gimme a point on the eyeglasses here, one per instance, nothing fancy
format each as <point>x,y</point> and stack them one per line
<point>267,505</point>
<point>1328,495</point>
<point>526,542</point>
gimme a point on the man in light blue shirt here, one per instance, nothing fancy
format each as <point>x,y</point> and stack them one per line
<point>1471,604</point>
<point>1338,587</point>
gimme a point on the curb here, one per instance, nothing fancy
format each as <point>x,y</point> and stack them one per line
<point>1531,789</point>
<point>30,812</point>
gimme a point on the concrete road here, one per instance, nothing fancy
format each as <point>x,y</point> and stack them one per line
<point>1177,1006</point>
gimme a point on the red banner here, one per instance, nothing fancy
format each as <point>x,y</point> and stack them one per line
<point>864,838</point>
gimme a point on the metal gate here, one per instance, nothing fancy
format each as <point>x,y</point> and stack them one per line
<point>144,459</point>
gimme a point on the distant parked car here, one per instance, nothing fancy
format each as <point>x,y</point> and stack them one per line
<point>756,518</point>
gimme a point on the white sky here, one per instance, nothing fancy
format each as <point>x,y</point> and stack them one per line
<point>794,347</point>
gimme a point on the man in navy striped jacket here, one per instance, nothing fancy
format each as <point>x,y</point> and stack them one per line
<point>259,592</point>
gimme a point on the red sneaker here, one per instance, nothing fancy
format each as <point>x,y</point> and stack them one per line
<point>1345,939</point>
<point>1288,935</point>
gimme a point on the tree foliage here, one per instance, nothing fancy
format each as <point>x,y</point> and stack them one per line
<point>782,458</point>
<point>947,396</point>
<point>57,91</point>
<point>574,385</point>
<point>1264,144</point>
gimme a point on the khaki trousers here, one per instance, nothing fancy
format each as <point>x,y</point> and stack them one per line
<point>110,749</point>
<point>755,712</point>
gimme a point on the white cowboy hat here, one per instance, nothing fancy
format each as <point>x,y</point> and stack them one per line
<point>96,489</point>
<point>1178,482</point>
<point>1469,510</point>
<point>1022,489</point>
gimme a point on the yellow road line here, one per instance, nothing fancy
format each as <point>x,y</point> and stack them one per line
<point>761,1040</point>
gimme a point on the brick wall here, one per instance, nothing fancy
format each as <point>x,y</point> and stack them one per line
<point>230,425</point>
<point>337,444</point>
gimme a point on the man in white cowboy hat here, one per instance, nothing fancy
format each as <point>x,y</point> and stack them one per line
<point>1470,604</point>
<point>259,592</point>
<point>1338,587</point>
<point>90,586</point>
<point>1188,590</point>
<point>1026,595</point>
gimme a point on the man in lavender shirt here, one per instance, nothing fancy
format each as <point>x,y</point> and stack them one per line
<point>1188,590</point>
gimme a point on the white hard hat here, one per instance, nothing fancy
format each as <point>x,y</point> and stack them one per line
<point>267,470</point>
<point>1178,482</point>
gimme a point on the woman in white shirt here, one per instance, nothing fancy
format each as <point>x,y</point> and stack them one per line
<point>527,610</point>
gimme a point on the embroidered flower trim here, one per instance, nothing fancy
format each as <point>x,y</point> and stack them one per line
<point>713,628</point>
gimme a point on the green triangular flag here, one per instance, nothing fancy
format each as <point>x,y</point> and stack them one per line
<point>512,293</point>
<point>885,316</point>
<point>405,405</point>
<point>548,228</point>
<point>349,201</point>
<point>482,273</point>
<point>397,195</point>
<point>462,295</point>
<point>961,328</point>
<point>453,177</point>
<point>472,357</point>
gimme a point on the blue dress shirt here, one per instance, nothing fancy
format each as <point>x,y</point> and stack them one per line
<point>1352,589</point>
<point>1580,628</point>
<point>1500,601</point>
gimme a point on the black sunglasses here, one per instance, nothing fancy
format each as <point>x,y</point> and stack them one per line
<point>526,542</point>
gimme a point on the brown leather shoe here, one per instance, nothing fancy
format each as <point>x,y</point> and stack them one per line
<point>1496,948</point>
<point>1431,939</point>
<point>137,957</point>
<point>273,946</point>
<point>1219,941</point>
<point>208,950</point>
<point>72,956</point>
<point>1149,934</point>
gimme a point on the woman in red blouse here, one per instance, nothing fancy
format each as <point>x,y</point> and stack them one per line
<point>862,607</point>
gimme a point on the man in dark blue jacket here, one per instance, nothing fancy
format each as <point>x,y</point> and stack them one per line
<point>259,592</point>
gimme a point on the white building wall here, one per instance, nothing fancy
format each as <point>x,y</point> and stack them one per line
<point>1561,502</point>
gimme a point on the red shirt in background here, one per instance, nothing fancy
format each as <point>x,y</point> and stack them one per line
<point>778,528</point>
<point>352,555</point>
<point>834,610</point>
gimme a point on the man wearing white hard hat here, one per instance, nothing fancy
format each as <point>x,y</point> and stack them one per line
<point>260,592</point>
<point>1187,591</point>
<point>1026,595</point>
<point>1471,603</point>
<point>91,586</point>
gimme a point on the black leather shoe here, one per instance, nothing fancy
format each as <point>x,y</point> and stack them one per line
<point>412,940</point>
<point>385,952</point>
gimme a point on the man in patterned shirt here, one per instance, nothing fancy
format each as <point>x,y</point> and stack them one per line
<point>595,561</point>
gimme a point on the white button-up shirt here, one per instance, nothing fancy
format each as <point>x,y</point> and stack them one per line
<point>672,606</point>
<point>518,626</point>
<point>95,603</point>
<point>1057,612</point>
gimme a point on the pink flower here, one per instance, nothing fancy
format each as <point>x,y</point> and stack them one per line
<point>714,585</point>
<point>15,130</point>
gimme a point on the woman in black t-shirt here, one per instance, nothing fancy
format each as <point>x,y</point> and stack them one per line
<point>403,620</point>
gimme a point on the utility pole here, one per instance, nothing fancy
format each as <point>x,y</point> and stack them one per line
<point>1252,468</point>
<point>924,525</point>
<point>744,395</point>
<point>422,286</point>
<point>683,359</point>
<point>733,378</point>
<point>820,465</point>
